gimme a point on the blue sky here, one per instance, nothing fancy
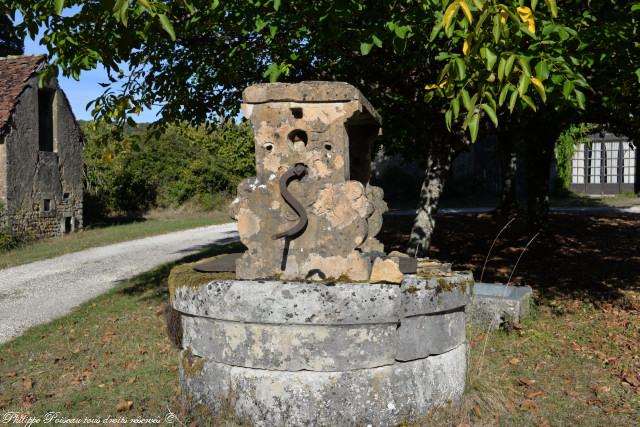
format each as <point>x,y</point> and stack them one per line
<point>87,88</point>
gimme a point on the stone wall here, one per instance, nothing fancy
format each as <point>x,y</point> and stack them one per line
<point>44,191</point>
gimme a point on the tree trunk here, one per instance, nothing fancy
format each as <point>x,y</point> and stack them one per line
<point>438,165</point>
<point>508,201</point>
<point>540,151</point>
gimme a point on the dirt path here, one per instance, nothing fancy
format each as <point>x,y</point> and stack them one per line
<point>38,292</point>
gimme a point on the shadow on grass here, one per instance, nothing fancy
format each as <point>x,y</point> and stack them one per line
<point>578,255</point>
<point>152,285</point>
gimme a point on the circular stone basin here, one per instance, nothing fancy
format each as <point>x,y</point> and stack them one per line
<point>295,353</point>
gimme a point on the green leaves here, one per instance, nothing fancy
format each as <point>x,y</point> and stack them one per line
<point>365,48</point>
<point>58,5</point>
<point>167,25</point>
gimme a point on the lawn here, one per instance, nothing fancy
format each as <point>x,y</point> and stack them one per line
<point>576,362</point>
<point>108,233</point>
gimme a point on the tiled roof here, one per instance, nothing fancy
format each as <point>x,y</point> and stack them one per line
<point>14,74</point>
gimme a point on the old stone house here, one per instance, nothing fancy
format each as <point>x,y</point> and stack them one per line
<point>41,167</point>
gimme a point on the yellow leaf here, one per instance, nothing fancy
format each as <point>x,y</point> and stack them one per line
<point>466,11</point>
<point>433,86</point>
<point>503,17</point>
<point>526,15</point>
<point>451,11</point>
<point>537,83</point>
<point>466,46</point>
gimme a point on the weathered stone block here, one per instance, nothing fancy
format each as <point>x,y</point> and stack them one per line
<point>386,271</point>
<point>380,396</point>
<point>292,303</point>
<point>430,334</point>
<point>495,304</point>
<point>291,347</point>
<point>431,295</point>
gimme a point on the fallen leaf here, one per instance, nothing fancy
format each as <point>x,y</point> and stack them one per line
<point>528,405</point>
<point>526,381</point>
<point>27,383</point>
<point>544,423</point>
<point>28,400</point>
<point>76,350</point>
<point>131,364</point>
<point>601,390</point>
<point>510,406</point>
<point>11,374</point>
<point>514,361</point>
<point>124,405</point>
<point>571,393</point>
<point>476,410</point>
<point>132,380</point>
<point>58,360</point>
<point>534,394</point>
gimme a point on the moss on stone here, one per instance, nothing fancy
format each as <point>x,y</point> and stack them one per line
<point>185,276</point>
<point>192,365</point>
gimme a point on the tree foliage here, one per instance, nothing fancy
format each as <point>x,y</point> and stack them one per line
<point>11,42</point>
<point>476,60</point>
<point>184,164</point>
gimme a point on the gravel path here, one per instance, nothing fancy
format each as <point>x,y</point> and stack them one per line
<point>41,291</point>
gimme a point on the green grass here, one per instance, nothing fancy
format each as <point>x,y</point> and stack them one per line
<point>111,350</point>
<point>565,366</point>
<point>108,234</point>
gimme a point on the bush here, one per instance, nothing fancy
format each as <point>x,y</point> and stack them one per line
<point>185,164</point>
<point>7,239</point>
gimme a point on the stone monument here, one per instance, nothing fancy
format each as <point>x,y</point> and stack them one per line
<point>319,326</point>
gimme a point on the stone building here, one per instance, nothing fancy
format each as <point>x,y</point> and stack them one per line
<point>41,167</point>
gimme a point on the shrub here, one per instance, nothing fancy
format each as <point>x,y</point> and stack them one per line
<point>185,164</point>
<point>7,239</point>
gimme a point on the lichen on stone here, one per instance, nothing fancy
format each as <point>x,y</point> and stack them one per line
<point>184,275</point>
<point>192,365</point>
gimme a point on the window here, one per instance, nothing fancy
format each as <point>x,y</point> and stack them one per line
<point>45,119</point>
<point>66,196</point>
<point>46,205</point>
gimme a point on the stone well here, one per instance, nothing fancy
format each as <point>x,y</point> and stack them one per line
<point>296,353</point>
<point>315,324</point>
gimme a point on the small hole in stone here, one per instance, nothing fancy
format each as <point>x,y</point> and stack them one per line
<point>297,112</point>
<point>297,135</point>
<point>268,146</point>
<point>328,147</point>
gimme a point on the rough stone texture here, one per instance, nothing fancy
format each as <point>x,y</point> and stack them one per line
<point>386,271</point>
<point>495,304</point>
<point>291,347</point>
<point>290,303</point>
<point>438,334</point>
<point>28,176</point>
<point>424,296</point>
<point>331,135</point>
<point>315,354</point>
<point>381,396</point>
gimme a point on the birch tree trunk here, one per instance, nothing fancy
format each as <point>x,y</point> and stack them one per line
<point>540,151</point>
<point>508,200</point>
<point>438,165</point>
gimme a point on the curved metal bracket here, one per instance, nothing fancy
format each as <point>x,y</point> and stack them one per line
<point>295,172</point>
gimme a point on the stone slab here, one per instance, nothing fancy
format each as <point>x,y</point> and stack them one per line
<point>378,397</point>
<point>307,91</point>
<point>431,295</point>
<point>291,302</point>
<point>422,336</point>
<point>494,304</point>
<point>291,347</point>
<point>224,263</point>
